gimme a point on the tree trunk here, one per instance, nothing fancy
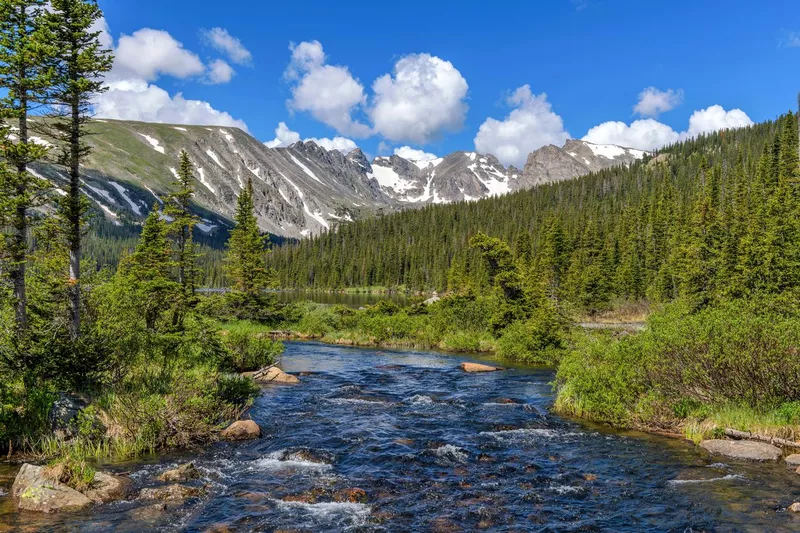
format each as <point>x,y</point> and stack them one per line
<point>75,224</point>
<point>19,254</point>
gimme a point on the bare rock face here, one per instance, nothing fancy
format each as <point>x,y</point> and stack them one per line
<point>185,472</point>
<point>742,449</point>
<point>276,375</point>
<point>475,367</point>
<point>33,491</point>
<point>242,430</point>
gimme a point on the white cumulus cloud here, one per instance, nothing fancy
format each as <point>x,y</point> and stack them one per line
<point>530,125</point>
<point>646,134</point>
<point>223,41</point>
<point>219,71</point>
<point>149,53</point>
<point>412,154</point>
<point>131,96</point>
<point>284,136</point>
<point>423,99</point>
<point>652,101</point>
<point>715,118</point>
<point>649,134</point>
<point>329,93</point>
<point>136,99</point>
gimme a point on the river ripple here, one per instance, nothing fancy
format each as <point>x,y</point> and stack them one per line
<point>436,449</point>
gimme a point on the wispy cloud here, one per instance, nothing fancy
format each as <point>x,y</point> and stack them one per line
<point>791,39</point>
<point>579,5</point>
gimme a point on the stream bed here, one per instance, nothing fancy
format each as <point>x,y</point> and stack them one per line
<point>432,448</point>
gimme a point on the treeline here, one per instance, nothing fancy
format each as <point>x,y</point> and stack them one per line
<point>712,216</point>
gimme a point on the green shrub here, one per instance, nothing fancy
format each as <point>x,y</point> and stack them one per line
<point>248,351</point>
<point>236,390</point>
<point>789,413</point>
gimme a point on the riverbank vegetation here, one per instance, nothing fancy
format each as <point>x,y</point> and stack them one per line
<point>95,362</point>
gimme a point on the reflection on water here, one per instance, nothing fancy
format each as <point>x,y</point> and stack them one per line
<point>436,449</point>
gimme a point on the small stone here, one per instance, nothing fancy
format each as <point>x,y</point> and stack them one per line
<point>793,460</point>
<point>590,477</point>
<point>241,430</point>
<point>742,449</point>
<point>475,367</point>
<point>795,508</point>
<point>185,472</point>
<point>276,375</point>
<point>172,493</point>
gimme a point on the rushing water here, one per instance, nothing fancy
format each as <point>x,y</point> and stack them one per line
<point>436,449</point>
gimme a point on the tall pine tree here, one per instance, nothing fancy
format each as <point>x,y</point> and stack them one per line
<point>246,255</point>
<point>78,69</point>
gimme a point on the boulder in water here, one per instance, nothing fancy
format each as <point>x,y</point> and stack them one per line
<point>241,430</point>
<point>276,375</point>
<point>354,495</point>
<point>108,488</point>
<point>172,493</point>
<point>794,508</point>
<point>34,491</point>
<point>475,367</point>
<point>742,449</point>
<point>793,460</point>
<point>184,472</point>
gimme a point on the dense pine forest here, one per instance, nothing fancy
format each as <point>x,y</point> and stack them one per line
<point>712,215</point>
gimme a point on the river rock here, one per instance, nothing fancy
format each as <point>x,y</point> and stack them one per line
<point>354,495</point>
<point>172,493</point>
<point>33,491</point>
<point>742,449</point>
<point>276,375</point>
<point>475,367</point>
<point>108,488</point>
<point>794,508</point>
<point>184,472</point>
<point>241,430</point>
<point>63,415</point>
<point>793,460</point>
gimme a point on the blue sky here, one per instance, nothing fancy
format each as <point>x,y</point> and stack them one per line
<point>592,58</point>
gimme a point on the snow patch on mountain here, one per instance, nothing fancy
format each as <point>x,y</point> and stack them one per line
<point>154,143</point>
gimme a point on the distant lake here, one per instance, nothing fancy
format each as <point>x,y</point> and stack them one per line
<point>354,300</point>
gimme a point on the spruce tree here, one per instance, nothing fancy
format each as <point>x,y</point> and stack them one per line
<point>24,74</point>
<point>246,253</point>
<point>177,206</point>
<point>79,65</point>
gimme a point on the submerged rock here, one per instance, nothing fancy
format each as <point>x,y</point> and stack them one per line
<point>108,488</point>
<point>241,430</point>
<point>172,493</point>
<point>354,495</point>
<point>34,491</point>
<point>276,375</point>
<point>184,472</point>
<point>475,367</point>
<point>742,449</point>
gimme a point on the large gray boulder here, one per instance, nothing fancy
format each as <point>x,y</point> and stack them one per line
<point>742,449</point>
<point>241,430</point>
<point>33,491</point>
<point>108,488</point>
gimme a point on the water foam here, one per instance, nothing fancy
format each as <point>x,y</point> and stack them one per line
<point>357,514</point>
<point>281,460</point>
<point>452,453</point>
<point>729,477</point>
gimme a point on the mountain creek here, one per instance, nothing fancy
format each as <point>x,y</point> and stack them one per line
<point>416,444</point>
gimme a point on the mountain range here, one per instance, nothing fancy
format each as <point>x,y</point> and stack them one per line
<point>302,189</point>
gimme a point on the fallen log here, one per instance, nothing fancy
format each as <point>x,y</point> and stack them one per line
<point>747,435</point>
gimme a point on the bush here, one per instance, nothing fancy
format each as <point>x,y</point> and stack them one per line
<point>318,320</point>
<point>246,352</point>
<point>539,340</point>
<point>690,364</point>
<point>72,469</point>
<point>236,390</point>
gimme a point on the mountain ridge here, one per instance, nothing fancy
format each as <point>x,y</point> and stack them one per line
<point>302,189</point>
